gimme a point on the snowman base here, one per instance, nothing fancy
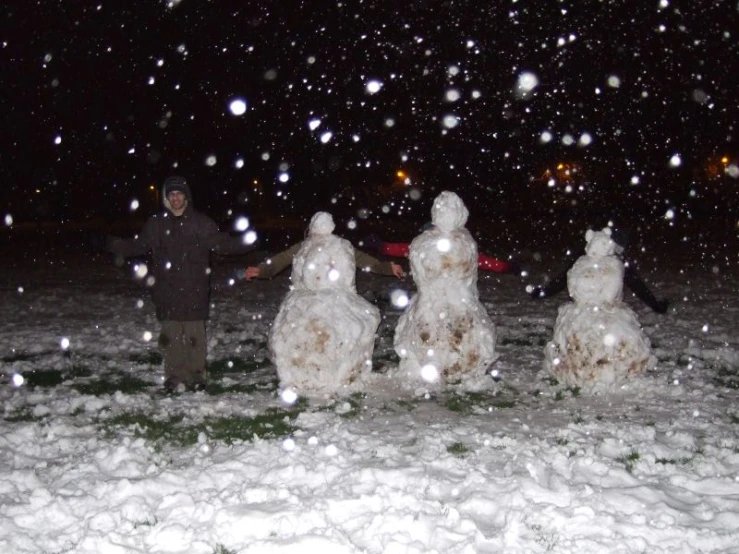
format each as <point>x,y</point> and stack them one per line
<point>460,347</point>
<point>322,341</point>
<point>597,349</point>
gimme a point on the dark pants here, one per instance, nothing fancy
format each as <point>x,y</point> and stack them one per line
<point>185,348</point>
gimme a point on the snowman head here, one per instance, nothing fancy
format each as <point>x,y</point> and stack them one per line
<point>599,243</point>
<point>449,212</point>
<point>321,224</point>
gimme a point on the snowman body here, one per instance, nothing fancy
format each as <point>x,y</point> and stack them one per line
<point>323,337</point>
<point>445,335</point>
<point>598,343</point>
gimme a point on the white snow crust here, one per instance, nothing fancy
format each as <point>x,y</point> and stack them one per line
<point>522,466</point>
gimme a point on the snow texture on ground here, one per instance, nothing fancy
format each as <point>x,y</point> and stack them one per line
<point>526,465</point>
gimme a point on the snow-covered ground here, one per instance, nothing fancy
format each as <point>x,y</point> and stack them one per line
<point>526,465</point>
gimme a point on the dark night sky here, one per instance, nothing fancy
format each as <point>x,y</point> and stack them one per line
<point>140,89</point>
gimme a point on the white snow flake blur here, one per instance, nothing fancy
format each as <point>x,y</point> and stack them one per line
<point>237,106</point>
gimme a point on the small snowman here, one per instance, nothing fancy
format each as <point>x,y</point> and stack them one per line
<point>445,336</point>
<point>598,343</point>
<point>323,336</point>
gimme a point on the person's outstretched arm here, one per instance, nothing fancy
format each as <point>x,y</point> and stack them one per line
<point>272,265</point>
<point>394,249</point>
<point>223,243</point>
<point>494,265</point>
<point>136,246</point>
<point>641,290</point>
<point>553,286</point>
<point>365,262</point>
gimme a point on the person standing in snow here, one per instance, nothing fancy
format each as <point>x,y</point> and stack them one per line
<point>180,240</point>
<point>631,279</point>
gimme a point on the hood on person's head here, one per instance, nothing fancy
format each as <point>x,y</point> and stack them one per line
<point>172,184</point>
<point>322,223</point>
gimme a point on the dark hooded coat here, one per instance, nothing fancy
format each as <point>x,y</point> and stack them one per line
<point>180,248</point>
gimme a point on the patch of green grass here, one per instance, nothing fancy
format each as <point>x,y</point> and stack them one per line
<point>218,368</point>
<point>465,403</point>
<point>726,376</point>
<point>173,430</point>
<point>461,404</point>
<point>273,423</point>
<point>734,418</point>
<point>43,378</point>
<point>561,393</point>
<point>214,388</point>
<point>503,404</point>
<point>22,414</point>
<point>676,461</point>
<point>168,430</point>
<point>144,523</point>
<point>457,449</point>
<point>253,344</point>
<point>551,381</point>
<point>17,357</point>
<point>220,549</point>
<point>127,384</point>
<point>353,401</point>
<point>151,358</point>
<point>406,404</point>
<point>531,340</point>
<point>49,378</point>
<point>629,460</point>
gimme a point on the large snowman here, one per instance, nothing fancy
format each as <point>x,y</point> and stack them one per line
<point>323,336</point>
<point>445,336</point>
<point>598,342</point>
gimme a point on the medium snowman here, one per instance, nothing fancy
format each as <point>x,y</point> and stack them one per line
<point>598,343</point>
<point>445,336</point>
<point>323,336</point>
